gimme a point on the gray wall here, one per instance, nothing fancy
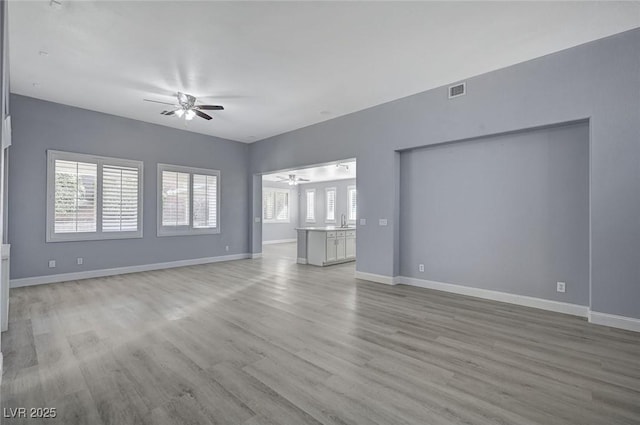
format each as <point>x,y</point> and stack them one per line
<point>281,231</point>
<point>4,110</point>
<point>599,81</point>
<point>321,201</point>
<point>39,125</point>
<point>507,213</point>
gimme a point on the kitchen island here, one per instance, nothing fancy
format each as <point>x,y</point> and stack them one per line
<point>324,246</point>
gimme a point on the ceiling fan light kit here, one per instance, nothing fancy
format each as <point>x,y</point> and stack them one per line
<point>187,107</point>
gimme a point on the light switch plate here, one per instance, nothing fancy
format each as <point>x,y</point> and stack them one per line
<point>363,222</point>
<point>382,222</point>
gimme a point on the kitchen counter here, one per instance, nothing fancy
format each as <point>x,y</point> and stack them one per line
<point>326,245</point>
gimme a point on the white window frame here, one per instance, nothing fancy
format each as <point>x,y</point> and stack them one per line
<point>306,205</point>
<point>349,189</point>
<point>188,229</point>
<point>326,204</point>
<point>51,236</point>
<point>276,190</point>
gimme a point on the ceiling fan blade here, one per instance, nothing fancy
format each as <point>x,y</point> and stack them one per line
<point>202,114</point>
<point>210,107</point>
<point>168,112</point>
<point>303,180</point>
<point>156,101</point>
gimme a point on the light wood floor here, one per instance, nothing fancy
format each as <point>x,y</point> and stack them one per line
<point>272,342</point>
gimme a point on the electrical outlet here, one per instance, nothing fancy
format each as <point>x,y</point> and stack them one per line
<point>561,287</point>
<point>79,261</point>
<point>421,267</point>
<point>363,222</point>
<point>52,264</point>
<point>382,222</point>
<point>226,248</point>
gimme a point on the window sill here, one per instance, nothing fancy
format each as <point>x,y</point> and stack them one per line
<point>190,232</point>
<point>67,237</point>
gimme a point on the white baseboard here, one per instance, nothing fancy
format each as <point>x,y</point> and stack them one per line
<point>387,280</point>
<point>256,255</point>
<point>557,306</point>
<point>64,277</point>
<point>621,322</point>
<point>279,241</point>
<point>302,260</point>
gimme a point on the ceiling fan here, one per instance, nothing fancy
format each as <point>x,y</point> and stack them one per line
<point>292,180</point>
<point>187,107</point>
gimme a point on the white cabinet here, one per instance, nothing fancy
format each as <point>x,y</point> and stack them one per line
<point>350,244</point>
<point>326,247</point>
<point>340,246</point>
<point>332,247</point>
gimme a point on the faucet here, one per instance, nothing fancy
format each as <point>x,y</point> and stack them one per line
<point>343,221</point>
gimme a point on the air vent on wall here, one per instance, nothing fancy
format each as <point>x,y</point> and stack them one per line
<point>457,90</point>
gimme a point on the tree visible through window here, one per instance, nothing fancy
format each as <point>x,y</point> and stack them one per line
<point>77,197</point>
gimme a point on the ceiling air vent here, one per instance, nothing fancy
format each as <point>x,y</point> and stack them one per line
<point>457,90</point>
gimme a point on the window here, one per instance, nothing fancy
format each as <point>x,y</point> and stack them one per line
<point>352,203</point>
<point>311,205</point>
<point>188,200</point>
<point>92,197</point>
<point>331,205</point>
<point>275,205</point>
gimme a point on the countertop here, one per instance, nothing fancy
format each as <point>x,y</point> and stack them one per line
<point>326,228</point>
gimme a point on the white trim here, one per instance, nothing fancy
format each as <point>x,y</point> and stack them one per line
<point>349,189</point>
<point>326,204</point>
<point>6,132</point>
<point>276,190</point>
<point>1,366</point>
<point>306,206</point>
<point>621,322</point>
<point>302,260</point>
<point>378,278</point>
<point>187,230</point>
<point>256,255</point>
<point>275,241</point>
<point>64,277</point>
<point>557,306</point>
<point>100,162</point>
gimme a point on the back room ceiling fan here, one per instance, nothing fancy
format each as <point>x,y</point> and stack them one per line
<point>292,180</point>
<point>187,106</point>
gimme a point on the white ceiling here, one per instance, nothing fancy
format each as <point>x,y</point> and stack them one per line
<point>278,66</point>
<point>322,173</point>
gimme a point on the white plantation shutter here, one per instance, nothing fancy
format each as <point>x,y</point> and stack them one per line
<point>282,205</point>
<point>268,205</point>
<point>311,205</point>
<point>353,203</point>
<point>188,200</point>
<point>331,204</point>
<point>119,198</point>
<point>205,201</point>
<point>275,205</point>
<point>175,198</point>
<point>92,197</point>
<point>75,208</point>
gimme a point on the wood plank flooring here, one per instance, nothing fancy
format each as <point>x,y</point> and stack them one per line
<point>269,341</point>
